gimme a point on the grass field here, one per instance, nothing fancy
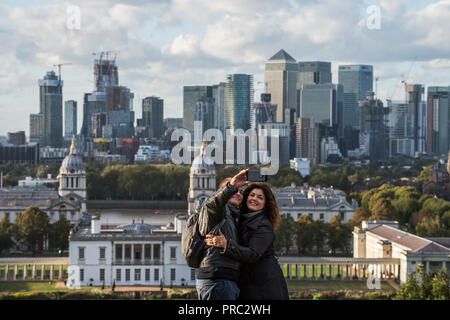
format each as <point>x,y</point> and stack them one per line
<point>332,285</point>
<point>22,286</point>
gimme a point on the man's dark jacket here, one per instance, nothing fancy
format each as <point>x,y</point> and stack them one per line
<point>215,265</point>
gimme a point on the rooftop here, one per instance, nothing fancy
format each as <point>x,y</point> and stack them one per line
<point>406,239</point>
<point>282,55</point>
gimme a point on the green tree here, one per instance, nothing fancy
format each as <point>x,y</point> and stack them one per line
<point>320,235</point>
<point>284,234</point>
<point>59,234</point>
<point>338,234</point>
<point>304,234</point>
<point>360,215</point>
<point>441,286</point>
<point>31,227</point>
<point>5,233</point>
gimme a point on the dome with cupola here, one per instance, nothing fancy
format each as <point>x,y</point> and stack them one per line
<point>72,162</point>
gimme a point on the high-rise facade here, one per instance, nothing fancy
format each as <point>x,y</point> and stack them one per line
<point>322,102</point>
<point>416,125</point>
<point>399,141</point>
<point>438,120</point>
<point>307,140</point>
<point>36,127</point>
<point>205,113</point>
<point>191,94</point>
<point>220,106</point>
<point>50,96</point>
<point>313,72</point>
<point>239,99</point>
<point>153,115</point>
<point>280,77</point>
<point>374,135</point>
<point>356,80</point>
<point>70,118</point>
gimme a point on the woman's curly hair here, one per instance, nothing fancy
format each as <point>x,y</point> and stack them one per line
<point>270,208</point>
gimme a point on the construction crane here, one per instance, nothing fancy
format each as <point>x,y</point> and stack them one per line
<point>59,68</point>
<point>405,78</point>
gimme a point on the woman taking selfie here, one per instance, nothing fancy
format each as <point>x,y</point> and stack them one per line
<point>261,276</point>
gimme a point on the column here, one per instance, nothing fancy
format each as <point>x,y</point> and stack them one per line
<point>143,254</point>
<point>24,275</point>
<point>289,270</point>
<point>427,266</point>
<point>444,265</point>
<point>15,272</point>
<point>123,253</point>
<point>334,271</point>
<point>6,271</point>
<point>347,273</point>
<point>358,272</point>
<point>42,271</point>
<point>132,253</point>
<point>60,272</point>
<point>33,272</point>
<point>322,275</point>
<point>305,275</point>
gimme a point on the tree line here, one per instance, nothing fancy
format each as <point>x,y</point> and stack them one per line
<point>312,236</point>
<point>421,214</point>
<point>32,228</point>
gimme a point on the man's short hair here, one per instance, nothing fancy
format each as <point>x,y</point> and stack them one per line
<point>224,182</point>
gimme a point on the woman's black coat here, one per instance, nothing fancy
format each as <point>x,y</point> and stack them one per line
<point>261,276</point>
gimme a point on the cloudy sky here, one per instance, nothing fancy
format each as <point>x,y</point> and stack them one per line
<point>163,45</point>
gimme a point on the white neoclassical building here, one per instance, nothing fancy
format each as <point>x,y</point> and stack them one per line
<point>384,239</point>
<point>69,201</point>
<point>136,254</point>
<point>316,202</point>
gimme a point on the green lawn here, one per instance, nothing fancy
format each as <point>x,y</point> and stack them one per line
<point>332,285</point>
<point>18,286</point>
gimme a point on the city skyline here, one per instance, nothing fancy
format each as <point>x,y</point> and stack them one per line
<point>165,46</point>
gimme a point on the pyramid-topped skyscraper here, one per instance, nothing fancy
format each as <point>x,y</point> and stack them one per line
<point>280,79</point>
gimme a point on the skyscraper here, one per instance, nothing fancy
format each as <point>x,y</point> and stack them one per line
<point>70,118</point>
<point>307,140</point>
<point>36,127</point>
<point>323,102</point>
<point>205,113</point>
<point>280,78</point>
<point>313,72</point>
<point>191,94</point>
<point>374,137</point>
<point>399,142</point>
<point>239,97</point>
<point>438,120</point>
<point>220,106</point>
<point>50,96</point>
<point>416,126</point>
<point>153,115</point>
<point>357,80</point>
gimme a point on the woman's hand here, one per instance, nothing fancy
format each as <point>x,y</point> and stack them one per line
<point>216,241</point>
<point>239,180</point>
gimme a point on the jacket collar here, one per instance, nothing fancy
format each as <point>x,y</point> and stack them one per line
<point>252,219</point>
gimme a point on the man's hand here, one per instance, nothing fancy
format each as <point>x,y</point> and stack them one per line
<point>239,180</point>
<point>216,241</point>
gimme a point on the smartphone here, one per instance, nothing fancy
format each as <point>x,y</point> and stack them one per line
<point>256,176</point>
